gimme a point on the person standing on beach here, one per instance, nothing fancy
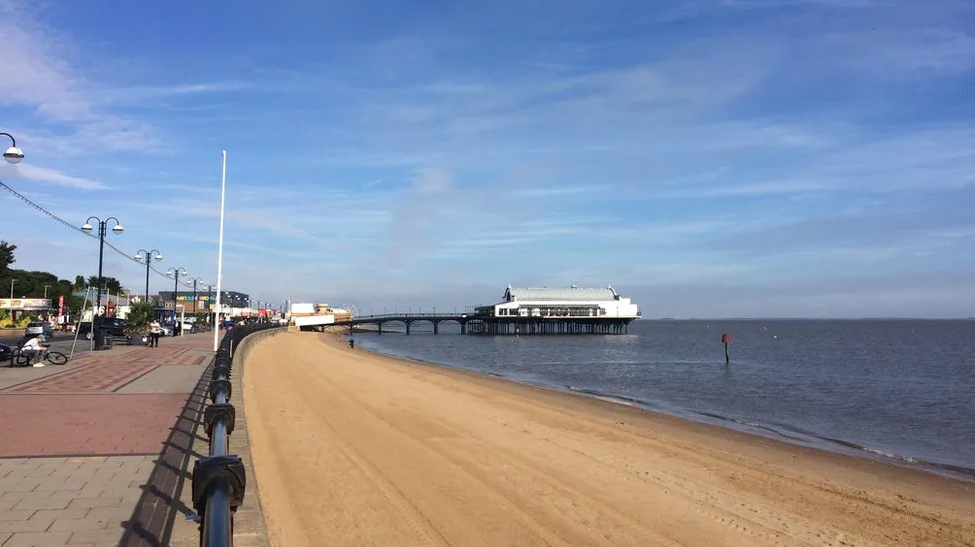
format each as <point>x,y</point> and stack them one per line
<point>155,329</point>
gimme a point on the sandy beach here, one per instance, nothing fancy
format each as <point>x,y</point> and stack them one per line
<point>353,448</point>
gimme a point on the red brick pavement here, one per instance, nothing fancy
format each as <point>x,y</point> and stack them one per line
<point>119,498</point>
<point>93,377</point>
<point>74,412</point>
<point>104,424</point>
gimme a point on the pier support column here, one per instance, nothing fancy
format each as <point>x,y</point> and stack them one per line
<point>408,328</point>
<point>436,327</point>
<point>380,329</point>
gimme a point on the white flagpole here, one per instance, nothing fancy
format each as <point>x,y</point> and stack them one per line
<point>216,319</point>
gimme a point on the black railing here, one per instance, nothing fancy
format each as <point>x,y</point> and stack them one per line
<point>219,479</point>
<point>406,315</point>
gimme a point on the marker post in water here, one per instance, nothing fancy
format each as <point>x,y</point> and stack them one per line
<point>726,340</point>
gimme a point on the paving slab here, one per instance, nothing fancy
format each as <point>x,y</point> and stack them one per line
<point>18,375</point>
<point>97,452</point>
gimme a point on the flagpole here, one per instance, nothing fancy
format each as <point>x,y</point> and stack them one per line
<point>216,317</point>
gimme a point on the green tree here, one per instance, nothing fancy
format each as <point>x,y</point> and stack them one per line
<point>6,255</point>
<point>113,285</point>
<point>79,282</point>
<point>72,305</point>
<point>140,315</point>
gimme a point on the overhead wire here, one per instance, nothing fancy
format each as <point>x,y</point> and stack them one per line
<point>71,226</point>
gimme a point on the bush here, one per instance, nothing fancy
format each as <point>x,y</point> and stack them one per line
<point>140,315</point>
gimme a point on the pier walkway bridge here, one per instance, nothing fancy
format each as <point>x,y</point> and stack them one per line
<point>471,323</point>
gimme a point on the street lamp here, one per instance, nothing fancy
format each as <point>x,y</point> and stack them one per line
<point>13,154</point>
<point>148,257</point>
<point>195,280</point>
<point>209,291</point>
<point>12,281</point>
<point>45,291</point>
<point>102,224</point>
<point>175,272</point>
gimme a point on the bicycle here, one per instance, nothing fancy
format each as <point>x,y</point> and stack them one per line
<point>52,357</point>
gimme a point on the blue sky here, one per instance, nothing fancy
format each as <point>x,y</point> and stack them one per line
<point>707,157</point>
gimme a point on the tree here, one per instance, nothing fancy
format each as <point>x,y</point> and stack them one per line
<point>6,255</point>
<point>111,284</point>
<point>140,315</point>
<point>79,282</point>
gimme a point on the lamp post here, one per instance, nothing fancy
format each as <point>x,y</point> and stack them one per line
<point>12,281</point>
<point>195,280</point>
<point>209,289</point>
<point>175,272</point>
<point>102,225</point>
<point>13,154</point>
<point>148,257</point>
<point>45,291</point>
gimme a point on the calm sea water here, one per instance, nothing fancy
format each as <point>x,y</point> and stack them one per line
<point>889,389</point>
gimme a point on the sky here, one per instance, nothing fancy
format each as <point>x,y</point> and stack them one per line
<point>708,158</point>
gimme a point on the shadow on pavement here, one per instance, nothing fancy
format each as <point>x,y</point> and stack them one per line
<point>155,513</point>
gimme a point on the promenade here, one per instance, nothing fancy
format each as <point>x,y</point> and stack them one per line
<point>99,452</point>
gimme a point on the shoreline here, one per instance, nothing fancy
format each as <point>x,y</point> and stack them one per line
<point>828,445</point>
<point>354,447</point>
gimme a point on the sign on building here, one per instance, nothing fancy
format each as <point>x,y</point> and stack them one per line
<point>25,304</point>
<point>199,298</point>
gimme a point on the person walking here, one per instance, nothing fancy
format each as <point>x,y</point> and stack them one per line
<point>155,329</point>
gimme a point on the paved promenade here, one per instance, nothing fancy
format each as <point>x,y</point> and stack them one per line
<point>99,452</point>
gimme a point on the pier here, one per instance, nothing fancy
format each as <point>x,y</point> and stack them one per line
<point>529,311</point>
<point>484,324</point>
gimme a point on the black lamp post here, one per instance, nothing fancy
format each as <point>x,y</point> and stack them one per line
<point>102,225</point>
<point>148,256</point>
<point>175,272</point>
<point>195,280</point>
<point>209,291</point>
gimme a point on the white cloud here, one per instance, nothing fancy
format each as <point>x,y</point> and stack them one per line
<point>39,73</point>
<point>33,172</point>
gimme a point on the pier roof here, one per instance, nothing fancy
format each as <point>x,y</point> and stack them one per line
<point>560,294</point>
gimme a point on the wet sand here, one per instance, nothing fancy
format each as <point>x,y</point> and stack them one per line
<point>353,448</point>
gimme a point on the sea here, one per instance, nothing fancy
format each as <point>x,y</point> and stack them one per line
<point>895,390</point>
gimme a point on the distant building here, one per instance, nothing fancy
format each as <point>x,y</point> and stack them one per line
<point>205,300</point>
<point>561,303</point>
<point>340,314</point>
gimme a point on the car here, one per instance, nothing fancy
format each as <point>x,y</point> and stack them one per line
<point>6,353</point>
<point>113,325</point>
<point>39,327</point>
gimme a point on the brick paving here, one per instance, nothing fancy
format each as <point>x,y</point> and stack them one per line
<point>105,424</point>
<point>98,452</point>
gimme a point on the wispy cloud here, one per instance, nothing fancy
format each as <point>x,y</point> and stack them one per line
<point>33,172</point>
<point>666,147</point>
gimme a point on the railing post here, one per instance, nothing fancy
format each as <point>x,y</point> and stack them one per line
<point>219,480</point>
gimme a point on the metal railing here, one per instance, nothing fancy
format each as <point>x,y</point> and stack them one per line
<point>219,479</point>
<point>446,315</point>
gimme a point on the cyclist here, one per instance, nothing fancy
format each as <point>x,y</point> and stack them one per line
<point>34,347</point>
